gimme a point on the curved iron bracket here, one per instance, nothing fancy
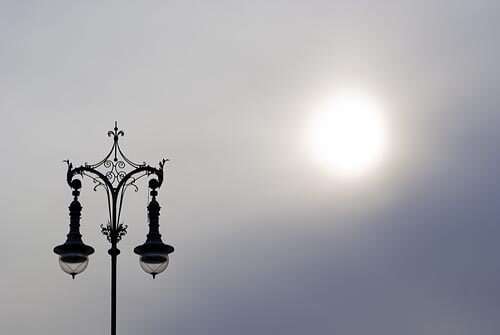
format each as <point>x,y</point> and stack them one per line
<point>115,179</point>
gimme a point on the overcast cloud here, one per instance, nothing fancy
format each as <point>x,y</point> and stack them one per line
<point>266,241</point>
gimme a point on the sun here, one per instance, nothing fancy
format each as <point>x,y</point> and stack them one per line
<point>349,134</point>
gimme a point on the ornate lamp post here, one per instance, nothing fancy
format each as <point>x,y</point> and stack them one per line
<point>115,173</point>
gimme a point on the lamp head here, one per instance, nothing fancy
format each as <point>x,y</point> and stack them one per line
<point>153,256</point>
<point>73,256</point>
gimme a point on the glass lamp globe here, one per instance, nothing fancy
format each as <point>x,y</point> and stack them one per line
<point>74,263</point>
<point>73,256</point>
<point>154,263</point>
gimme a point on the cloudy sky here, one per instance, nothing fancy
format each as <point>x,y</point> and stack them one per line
<point>267,240</point>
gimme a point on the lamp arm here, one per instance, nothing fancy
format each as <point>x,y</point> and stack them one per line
<point>149,171</point>
<point>79,170</point>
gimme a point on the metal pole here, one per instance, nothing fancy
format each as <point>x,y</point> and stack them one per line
<point>114,253</point>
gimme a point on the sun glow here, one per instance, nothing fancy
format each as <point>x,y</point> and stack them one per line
<point>349,134</point>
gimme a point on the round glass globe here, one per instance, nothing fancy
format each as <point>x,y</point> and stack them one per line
<point>73,264</point>
<point>154,263</point>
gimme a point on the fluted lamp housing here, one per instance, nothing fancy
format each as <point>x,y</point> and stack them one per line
<point>73,254</point>
<point>154,253</point>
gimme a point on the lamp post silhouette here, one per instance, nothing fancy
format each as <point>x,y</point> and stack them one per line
<point>115,173</point>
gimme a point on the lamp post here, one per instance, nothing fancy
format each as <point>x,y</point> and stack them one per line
<point>115,173</point>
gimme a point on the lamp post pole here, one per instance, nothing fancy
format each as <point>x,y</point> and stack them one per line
<point>115,174</point>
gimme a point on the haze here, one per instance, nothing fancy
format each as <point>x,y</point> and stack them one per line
<point>266,241</point>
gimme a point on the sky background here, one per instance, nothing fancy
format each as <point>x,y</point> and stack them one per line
<point>267,241</point>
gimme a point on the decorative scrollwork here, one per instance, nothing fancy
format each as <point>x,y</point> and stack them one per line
<point>110,233</point>
<point>96,181</point>
<point>115,161</point>
<point>116,170</point>
<point>121,231</point>
<point>133,180</point>
<point>106,230</point>
<point>115,173</point>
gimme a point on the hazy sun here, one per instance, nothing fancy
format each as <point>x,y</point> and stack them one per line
<point>349,134</point>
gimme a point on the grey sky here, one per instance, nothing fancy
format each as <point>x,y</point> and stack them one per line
<point>266,242</point>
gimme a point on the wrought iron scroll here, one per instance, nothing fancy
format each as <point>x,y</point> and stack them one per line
<point>115,161</point>
<point>115,173</point>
